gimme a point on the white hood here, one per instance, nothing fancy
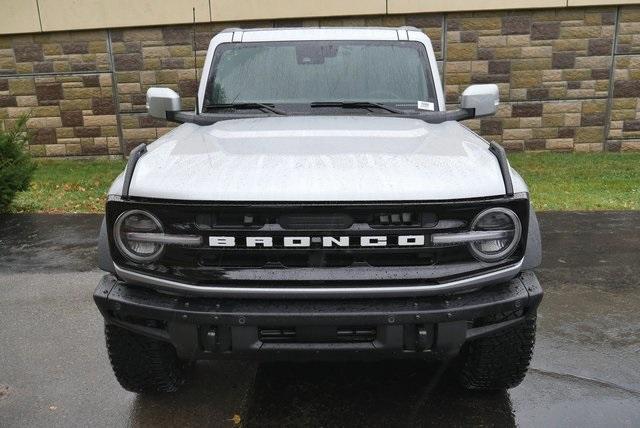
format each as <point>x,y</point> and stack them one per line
<point>318,158</point>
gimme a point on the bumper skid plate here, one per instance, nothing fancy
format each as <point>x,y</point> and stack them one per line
<point>210,328</point>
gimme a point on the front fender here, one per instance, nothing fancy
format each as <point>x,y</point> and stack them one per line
<point>105,262</point>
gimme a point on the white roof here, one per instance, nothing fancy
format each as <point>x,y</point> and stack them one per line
<point>332,33</point>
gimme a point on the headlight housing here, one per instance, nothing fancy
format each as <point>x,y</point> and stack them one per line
<point>496,220</point>
<point>133,222</point>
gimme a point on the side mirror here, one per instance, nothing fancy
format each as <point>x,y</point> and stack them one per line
<point>483,99</point>
<point>162,100</point>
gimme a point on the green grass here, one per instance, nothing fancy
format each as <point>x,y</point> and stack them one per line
<point>557,181</point>
<point>68,186</point>
<point>585,182</point>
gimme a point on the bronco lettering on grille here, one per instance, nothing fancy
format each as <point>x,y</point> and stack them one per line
<point>321,241</point>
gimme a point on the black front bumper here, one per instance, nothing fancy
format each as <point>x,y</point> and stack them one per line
<point>208,328</point>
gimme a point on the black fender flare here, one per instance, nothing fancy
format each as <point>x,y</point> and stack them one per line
<point>105,262</point>
<point>533,253</point>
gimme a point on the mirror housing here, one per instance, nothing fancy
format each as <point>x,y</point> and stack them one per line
<point>160,101</point>
<point>483,100</point>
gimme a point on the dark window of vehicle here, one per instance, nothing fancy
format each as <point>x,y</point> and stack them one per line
<point>301,72</point>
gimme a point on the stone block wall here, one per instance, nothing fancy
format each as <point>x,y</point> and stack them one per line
<point>569,78</point>
<point>71,114</point>
<point>552,67</point>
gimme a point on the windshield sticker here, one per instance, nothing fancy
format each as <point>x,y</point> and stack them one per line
<point>425,105</point>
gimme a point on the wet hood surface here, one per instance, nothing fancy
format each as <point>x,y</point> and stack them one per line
<point>318,158</point>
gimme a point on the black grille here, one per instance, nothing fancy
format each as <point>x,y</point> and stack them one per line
<point>331,266</point>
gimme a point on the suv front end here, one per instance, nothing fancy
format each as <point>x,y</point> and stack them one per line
<point>287,234</point>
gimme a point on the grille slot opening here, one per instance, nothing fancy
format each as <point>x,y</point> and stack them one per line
<point>307,258</point>
<point>400,259</point>
<point>315,221</point>
<point>356,334</point>
<point>323,334</point>
<point>277,335</point>
<point>210,221</point>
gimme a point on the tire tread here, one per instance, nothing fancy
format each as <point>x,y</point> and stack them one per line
<point>499,361</point>
<point>142,364</point>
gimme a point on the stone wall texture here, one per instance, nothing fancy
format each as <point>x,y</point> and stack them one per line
<point>569,78</point>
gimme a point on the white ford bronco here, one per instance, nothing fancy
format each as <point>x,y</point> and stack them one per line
<point>319,202</point>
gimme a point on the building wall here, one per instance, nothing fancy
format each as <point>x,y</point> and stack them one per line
<point>569,77</point>
<point>27,16</point>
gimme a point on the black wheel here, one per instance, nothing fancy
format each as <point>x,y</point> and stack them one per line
<point>142,364</point>
<point>499,361</point>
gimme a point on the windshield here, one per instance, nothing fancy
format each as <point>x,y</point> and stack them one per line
<point>395,73</point>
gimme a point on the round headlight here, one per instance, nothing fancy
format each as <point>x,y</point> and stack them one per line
<point>137,221</point>
<point>503,221</point>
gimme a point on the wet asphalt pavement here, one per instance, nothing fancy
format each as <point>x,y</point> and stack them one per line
<point>54,370</point>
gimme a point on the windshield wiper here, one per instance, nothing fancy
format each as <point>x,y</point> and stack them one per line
<point>356,104</point>
<point>240,106</point>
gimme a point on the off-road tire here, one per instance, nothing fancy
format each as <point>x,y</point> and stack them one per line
<point>499,361</point>
<point>141,364</point>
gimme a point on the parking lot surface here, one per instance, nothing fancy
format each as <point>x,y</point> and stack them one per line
<point>54,370</point>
